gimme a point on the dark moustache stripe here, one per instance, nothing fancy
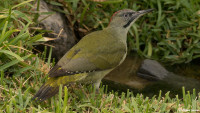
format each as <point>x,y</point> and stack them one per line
<point>129,22</point>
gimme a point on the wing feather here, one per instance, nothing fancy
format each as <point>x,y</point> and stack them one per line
<point>88,58</point>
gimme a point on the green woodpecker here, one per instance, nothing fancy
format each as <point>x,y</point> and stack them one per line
<point>94,56</point>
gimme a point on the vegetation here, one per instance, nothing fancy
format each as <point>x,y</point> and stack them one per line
<point>171,34</point>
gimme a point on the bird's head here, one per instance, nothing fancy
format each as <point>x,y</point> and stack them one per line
<point>125,18</point>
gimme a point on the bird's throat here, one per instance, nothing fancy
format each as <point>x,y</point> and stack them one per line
<point>118,32</point>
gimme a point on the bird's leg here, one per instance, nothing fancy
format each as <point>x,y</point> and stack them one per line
<point>96,85</point>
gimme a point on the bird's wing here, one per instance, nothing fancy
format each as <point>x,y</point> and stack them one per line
<point>87,59</point>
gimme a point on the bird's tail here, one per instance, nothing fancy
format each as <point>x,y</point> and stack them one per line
<point>46,91</point>
<point>51,87</point>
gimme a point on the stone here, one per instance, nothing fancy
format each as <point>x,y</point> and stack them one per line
<point>152,70</point>
<point>61,30</point>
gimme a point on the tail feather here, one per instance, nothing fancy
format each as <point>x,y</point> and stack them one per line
<point>51,87</point>
<point>50,95</point>
<point>45,92</point>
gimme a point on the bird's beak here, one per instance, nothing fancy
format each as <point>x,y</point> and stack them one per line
<point>142,12</point>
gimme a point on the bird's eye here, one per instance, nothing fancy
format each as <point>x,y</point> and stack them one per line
<point>125,15</point>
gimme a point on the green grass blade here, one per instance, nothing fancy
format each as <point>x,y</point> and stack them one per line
<point>3,32</point>
<point>21,4</point>
<point>13,62</point>
<point>12,54</point>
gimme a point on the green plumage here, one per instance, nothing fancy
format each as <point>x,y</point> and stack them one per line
<point>92,54</point>
<point>88,58</point>
<point>92,58</point>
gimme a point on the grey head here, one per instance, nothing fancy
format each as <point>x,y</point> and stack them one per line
<point>126,17</point>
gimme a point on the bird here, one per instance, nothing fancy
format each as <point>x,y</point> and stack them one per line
<point>94,56</point>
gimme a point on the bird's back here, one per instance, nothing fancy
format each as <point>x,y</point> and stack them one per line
<point>88,61</point>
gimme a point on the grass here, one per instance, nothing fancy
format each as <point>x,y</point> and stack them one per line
<point>85,100</point>
<point>22,72</point>
<point>169,34</point>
